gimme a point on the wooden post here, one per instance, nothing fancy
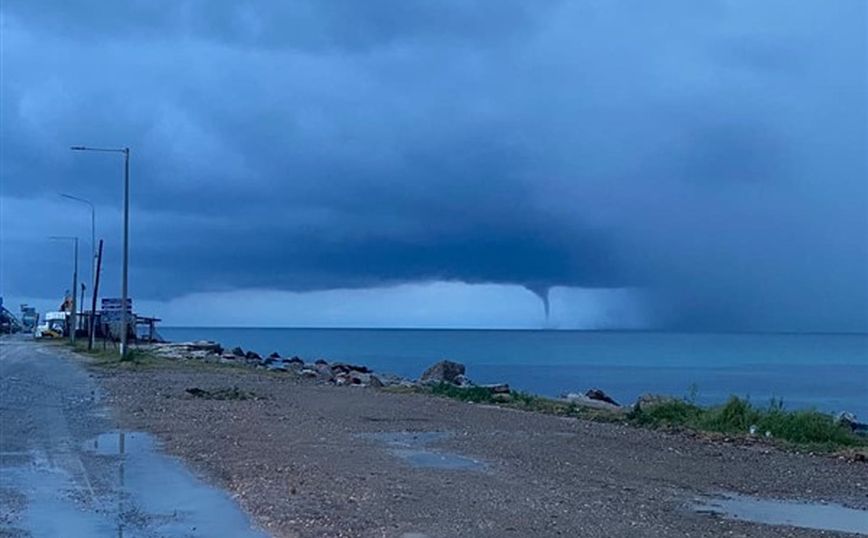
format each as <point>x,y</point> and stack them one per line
<point>95,293</point>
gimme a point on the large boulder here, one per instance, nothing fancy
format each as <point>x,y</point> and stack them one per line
<point>392,380</point>
<point>324,371</point>
<point>343,368</point>
<point>374,381</point>
<point>442,372</point>
<point>850,421</point>
<point>309,373</point>
<point>582,400</point>
<point>463,381</point>
<point>599,395</point>
<point>206,345</point>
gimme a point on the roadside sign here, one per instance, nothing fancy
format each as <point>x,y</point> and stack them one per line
<point>111,304</point>
<point>112,309</point>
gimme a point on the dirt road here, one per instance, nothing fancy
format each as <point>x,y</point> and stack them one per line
<point>309,460</point>
<point>66,471</point>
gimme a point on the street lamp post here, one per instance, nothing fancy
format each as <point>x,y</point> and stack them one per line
<point>126,255</point>
<point>92,232</point>
<point>93,255</point>
<point>72,320</point>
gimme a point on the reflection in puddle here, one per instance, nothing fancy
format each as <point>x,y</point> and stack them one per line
<point>830,517</point>
<point>411,447</point>
<point>151,495</point>
<point>118,443</point>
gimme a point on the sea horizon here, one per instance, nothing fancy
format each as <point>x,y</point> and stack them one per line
<point>518,329</point>
<point>827,371</point>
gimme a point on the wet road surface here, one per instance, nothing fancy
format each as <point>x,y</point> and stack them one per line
<point>65,471</point>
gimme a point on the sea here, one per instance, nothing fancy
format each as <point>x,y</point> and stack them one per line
<point>828,372</point>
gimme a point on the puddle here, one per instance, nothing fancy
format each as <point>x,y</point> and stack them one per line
<point>412,448</point>
<point>828,517</point>
<point>156,495</point>
<point>54,506</point>
<point>118,443</point>
<point>148,495</point>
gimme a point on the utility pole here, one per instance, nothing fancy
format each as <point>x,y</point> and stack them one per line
<point>126,253</point>
<point>125,327</point>
<point>81,303</point>
<point>92,233</point>
<point>92,327</point>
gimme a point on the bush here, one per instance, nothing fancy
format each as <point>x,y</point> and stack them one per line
<point>674,413</point>
<point>735,416</point>
<point>467,394</point>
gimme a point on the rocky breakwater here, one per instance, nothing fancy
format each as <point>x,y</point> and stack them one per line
<point>319,371</point>
<point>322,371</point>
<point>444,373</point>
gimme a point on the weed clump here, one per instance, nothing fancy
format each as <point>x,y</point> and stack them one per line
<point>740,416</point>
<point>737,416</point>
<point>232,393</point>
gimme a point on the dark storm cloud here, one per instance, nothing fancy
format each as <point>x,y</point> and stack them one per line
<point>711,153</point>
<point>301,24</point>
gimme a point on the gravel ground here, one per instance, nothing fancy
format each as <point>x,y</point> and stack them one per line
<point>62,474</point>
<point>295,461</point>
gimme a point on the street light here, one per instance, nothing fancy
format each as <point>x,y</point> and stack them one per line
<point>126,256</point>
<point>93,260</point>
<point>92,232</point>
<point>72,320</point>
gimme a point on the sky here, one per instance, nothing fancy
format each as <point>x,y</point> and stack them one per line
<point>673,165</point>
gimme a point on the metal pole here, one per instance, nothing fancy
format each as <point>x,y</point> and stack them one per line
<point>92,231</point>
<point>74,292</point>
<point>92,245</point>
<point>124,294</point>
<point>92,272</point>
<point>92,339</point>
<point>124,290</point>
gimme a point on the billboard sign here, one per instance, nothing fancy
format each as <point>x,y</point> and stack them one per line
<point>112,309</point>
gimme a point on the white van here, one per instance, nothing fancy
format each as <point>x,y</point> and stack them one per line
<point>52,326</point>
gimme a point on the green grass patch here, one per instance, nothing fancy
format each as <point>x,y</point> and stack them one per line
<point>141,358</point>
<point>524,401</point>
<point>466,394</point>
<point>738,415</point>
<point>808,429</point>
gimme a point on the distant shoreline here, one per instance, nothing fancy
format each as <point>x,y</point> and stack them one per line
<point>458,329</point>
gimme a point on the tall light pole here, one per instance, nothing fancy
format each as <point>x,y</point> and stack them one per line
<point>72,320</point>
<point>126,256</point>
<point>92,233</point>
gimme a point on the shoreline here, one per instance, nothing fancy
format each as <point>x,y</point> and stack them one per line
<point>551,364</point>
<point>756,424</point>
<point>300,458</point>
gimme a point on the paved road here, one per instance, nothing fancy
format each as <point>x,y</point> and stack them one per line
<point>66,472</point>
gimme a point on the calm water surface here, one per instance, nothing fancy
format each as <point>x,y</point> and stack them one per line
<point>828,372</point>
